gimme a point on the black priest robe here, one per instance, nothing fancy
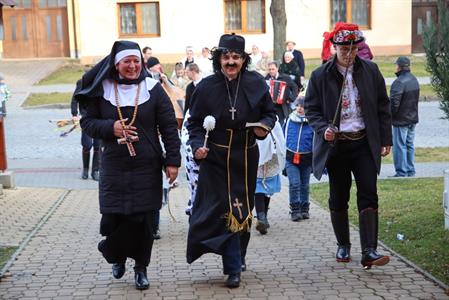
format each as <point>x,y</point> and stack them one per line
<point>227,179</point>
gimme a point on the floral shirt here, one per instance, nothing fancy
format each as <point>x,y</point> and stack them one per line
<point>351,116</point>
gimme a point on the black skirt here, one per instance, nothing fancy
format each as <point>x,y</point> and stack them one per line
<point>127,236</point>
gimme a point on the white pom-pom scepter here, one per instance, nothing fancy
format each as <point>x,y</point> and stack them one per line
<point>208,124</point>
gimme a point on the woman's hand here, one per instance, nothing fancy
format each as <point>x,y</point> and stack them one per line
<point>260,132</point>
<point>384,151</point>
<point>171,172</point>
<point>201,153</point>
<point>118,129</point>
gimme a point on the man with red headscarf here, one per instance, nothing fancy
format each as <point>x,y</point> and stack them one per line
<point>347,106</point>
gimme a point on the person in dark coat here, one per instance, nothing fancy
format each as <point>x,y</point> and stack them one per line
<point>283,91</point>
<point>404,96</point>
<point>290,67</point>
<point>347,106</point>
<point>221,215</point>
<point>126,109</point>
<point>87,144</point>
<point>298,58</point>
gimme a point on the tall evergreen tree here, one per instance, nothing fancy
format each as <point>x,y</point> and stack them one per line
<point>436,46</point>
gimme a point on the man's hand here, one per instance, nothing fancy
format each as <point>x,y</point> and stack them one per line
<point>201,153</point>
<point>330,134</point>
<point>75,119</point>
<point>384,151</point>
<point>260,132</point>
<point>171,173</point>
<point>118,129</point>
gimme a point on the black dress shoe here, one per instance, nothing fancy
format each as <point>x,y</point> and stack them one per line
<point>343,253</point>
<point>95,175</point>
<point>141,280</point>
<point>118,270</point>
<point>233,281</point>
<point>85,174</point>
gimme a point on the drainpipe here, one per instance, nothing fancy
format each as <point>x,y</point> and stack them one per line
<point>74,29</point>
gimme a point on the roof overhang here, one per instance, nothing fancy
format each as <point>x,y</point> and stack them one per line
<point>7,3</point>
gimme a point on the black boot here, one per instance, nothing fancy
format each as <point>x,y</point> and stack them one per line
<point>295,212</point>
<point>118,270</point>
<point>262,223</point>
<point>86,160</point>
<point>233,281</point>
<point>369,222</point>
<point>140,277</point>
<point>267,206</point>
<point>96,165</point>
<point>340,223</point>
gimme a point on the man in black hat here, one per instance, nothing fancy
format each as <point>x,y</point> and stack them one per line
<point>404,96</point>
<point>347,106</point>
<point>221,214</point>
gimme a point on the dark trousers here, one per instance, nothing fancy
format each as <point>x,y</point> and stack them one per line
<point>234,253</point>
<point>352,157</point>
<point>87,142</point>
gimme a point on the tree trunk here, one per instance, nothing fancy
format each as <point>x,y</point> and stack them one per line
<point>277,11</point>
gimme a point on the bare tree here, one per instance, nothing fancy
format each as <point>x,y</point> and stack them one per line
<point>277,11</point>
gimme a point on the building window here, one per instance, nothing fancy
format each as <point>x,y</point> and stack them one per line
<point>52,3</point>
<point>351,11</point>
<point>139,19</point>
<point>244,16</point>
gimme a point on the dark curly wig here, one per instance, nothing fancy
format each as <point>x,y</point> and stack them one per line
<point>216,55</point>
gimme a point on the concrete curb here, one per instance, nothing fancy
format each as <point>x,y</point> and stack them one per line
<point>33,232</point>
<point>48,106</point>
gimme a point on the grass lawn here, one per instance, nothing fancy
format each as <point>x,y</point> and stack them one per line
<point>5,254</point>
<point>385,63</point>
<point>437,154</point>
<point>44,99</point>
<point>413,208</point>
<point>67,74</point>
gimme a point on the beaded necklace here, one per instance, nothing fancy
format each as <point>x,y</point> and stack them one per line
<point>119,111</point>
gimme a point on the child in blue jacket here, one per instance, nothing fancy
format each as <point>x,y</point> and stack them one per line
<point>299,140</point>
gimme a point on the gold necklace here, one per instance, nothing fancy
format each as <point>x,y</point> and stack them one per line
<point>136,105</point>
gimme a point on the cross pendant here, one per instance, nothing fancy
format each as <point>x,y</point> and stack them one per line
<point>237,204</point>
<point>232,111</point>
<point>128,140</point>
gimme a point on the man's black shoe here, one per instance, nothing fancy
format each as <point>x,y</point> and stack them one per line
<point>397,175</point>
<point>233,281</point>
<point>118,270</point>
<point>141,280</point>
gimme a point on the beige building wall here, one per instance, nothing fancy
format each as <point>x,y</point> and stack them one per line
<point>184,23</point>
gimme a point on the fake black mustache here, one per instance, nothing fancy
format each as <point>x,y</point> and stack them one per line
<point>231,65</point>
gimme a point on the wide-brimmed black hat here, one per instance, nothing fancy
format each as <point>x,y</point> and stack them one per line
<point>232,42</point>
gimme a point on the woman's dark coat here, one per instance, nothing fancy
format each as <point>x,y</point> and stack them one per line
<point>128,184</point>
<point>321,101</point>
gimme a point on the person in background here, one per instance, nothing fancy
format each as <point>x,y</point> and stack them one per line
<point>283,91</point>
<point>190,56</point>
<point>298,165</point>
<point>298,57</point>
<point>348,108</point>
<point>204,62</point>
<point>179,77</point>
<point>87,143</point>
<point>262,64</point>
<point>404,96</point>
<point>364,51</point>
<point>192,168</point>
<point>5,94</point>
<point>147,53</point>
<point>127,110</point>
<point>290,68</point>
<point>271,164</point>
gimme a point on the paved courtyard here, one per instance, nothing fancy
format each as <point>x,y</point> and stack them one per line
<point>53,217</point>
